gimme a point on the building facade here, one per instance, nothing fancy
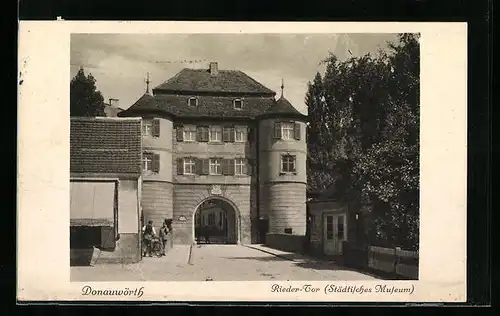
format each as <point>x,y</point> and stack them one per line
<point>219,137</point>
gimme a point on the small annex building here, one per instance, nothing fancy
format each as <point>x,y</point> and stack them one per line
<point>105,180</point>
<point>331,223</point>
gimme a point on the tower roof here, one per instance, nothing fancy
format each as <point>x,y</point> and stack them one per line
<point>282,107</point>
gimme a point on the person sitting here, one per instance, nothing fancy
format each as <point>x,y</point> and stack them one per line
<point>148,232</point>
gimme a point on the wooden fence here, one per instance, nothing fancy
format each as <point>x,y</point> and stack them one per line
<point>394,261</point>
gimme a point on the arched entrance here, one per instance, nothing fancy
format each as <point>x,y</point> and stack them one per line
<point>216,221</point>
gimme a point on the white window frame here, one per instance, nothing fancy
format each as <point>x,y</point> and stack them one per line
<point>239,164</point>
<point>217,164</point>
<point>191,131</point>
<point>147,162</point>
<point>189,164</point>
<point>244,134</point>
<point>287,131</point>
<point>241,104</point>
<point>215,130</point>
<point>294,160</point>
<point>195,101</point>
<point>147,128</point>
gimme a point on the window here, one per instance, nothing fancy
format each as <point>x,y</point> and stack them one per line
<point>240,134</point>
<point>193,101</point>
<point>151,128</point>
<point>189,166</point>
<point>239,166</point>
<point>228,134</point>
<point>340,226</point>
<point>329,227</point>
<point>215,134</point>
<point>147,128</point>
<point>287,163</point>
<point>238,104</point>
<point>147,162</point>
<point>150,162</point>
<point>189,133</point>
<point>215,166</point>
<point>287,130</point>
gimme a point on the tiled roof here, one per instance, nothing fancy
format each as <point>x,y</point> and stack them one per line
<point>282,106</point>
<point>208,106</point>
<point>105,145</point>
<point>200,80</point>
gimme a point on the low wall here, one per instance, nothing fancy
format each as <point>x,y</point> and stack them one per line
<point>391,261</point>
<point>285,242</point>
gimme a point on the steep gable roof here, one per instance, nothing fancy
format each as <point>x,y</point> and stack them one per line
<point>200,80</point>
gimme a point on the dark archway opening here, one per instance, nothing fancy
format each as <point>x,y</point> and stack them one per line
<point>215,222</point>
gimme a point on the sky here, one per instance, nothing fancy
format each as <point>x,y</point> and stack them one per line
<point>120,62</point>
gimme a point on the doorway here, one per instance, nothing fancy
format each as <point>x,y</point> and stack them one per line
<point>334,233</point>
<point>215,222</point>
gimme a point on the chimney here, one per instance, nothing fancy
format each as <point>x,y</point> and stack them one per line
<point>214,69</point>
<point>114,102</point>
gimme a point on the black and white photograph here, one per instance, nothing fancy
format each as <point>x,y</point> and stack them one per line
<point>195,162</point>
<point>244,157</point>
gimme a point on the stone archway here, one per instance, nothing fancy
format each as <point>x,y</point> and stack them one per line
<point>216,220</point>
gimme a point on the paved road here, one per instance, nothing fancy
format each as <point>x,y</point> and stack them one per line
<point>218,263</point>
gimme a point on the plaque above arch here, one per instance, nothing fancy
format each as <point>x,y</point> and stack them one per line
<point>216,189</point>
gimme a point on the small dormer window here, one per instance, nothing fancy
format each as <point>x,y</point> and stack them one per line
<point>238,104</point>
<point>193,101</point>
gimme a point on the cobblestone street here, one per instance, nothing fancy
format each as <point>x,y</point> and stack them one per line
<point>220,263</point>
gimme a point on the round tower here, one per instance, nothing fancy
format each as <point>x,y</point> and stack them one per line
<point>157,147</point>
<point>282,168</point>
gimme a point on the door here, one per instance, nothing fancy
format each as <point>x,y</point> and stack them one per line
<point>333,233</point>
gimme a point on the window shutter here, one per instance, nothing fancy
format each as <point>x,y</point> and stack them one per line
<point>230,166</point>
<point>156,163</point>
<point>225,166</point>
<point>180,134</point>
<point>206,134</point>
<point>225,134</point>
<point>108,240</point>
<point>277,130</point>
<point>180,166</point>
<point>248,167</point>
<point>249,134</point>
<point>156,128</point>
<point>198,166</point>
<point>205,168</point>
<point>199,134</point>
<point>296,131</point>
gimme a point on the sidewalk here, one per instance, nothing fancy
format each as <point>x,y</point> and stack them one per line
<point>313,261</point>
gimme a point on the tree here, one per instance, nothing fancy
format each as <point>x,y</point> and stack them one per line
<point>365,140</point>
<point>85,100</point>
<point>389,171</point>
